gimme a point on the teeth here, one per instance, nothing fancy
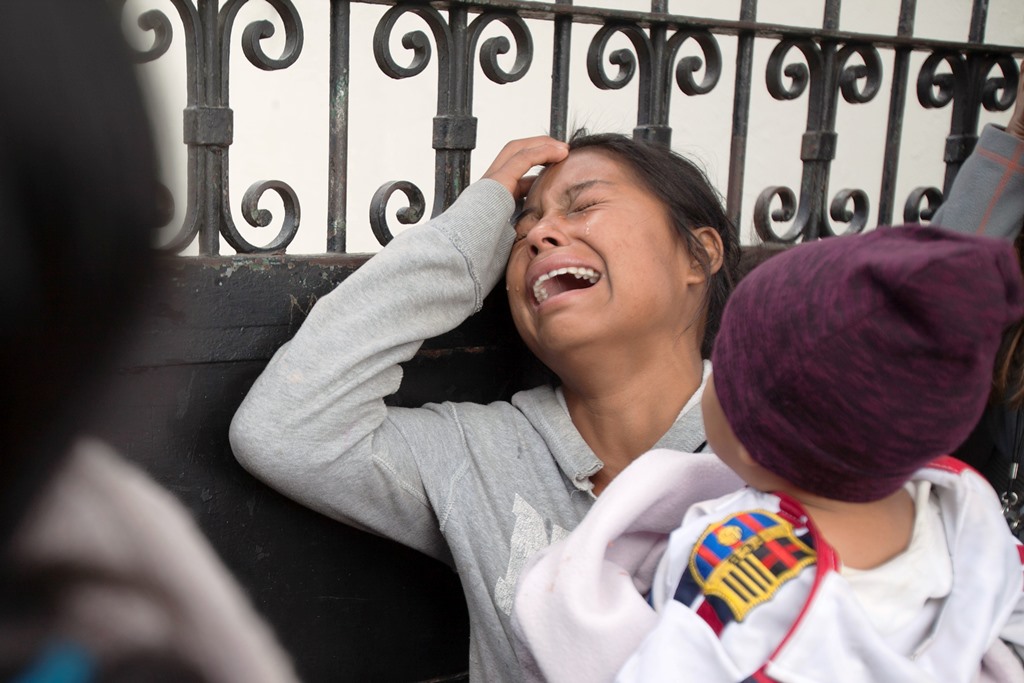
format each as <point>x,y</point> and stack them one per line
<point>540,292</point>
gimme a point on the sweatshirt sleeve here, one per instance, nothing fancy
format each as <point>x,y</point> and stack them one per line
<point>987,197</point>
<point>314,425</point>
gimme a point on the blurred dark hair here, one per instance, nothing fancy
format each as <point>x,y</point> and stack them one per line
<point>691,202</point>
<point>78,188</point>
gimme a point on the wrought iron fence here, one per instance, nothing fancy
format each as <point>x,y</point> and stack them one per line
<point>825,65</point>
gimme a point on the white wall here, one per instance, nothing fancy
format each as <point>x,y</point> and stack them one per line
<point>281,118</point>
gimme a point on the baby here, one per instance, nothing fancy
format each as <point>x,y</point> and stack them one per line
<point>843,371</point>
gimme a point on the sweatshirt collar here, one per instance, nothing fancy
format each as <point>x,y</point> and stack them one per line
<point>547,411</point>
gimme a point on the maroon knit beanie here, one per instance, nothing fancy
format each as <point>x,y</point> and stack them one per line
<point>844,365</point>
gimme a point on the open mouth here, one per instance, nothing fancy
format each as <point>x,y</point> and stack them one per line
<point>563,280</point>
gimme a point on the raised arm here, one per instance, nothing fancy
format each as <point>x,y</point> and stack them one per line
<point>315,426</point>
<point>987,197</point>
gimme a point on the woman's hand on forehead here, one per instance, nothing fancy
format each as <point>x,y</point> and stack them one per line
<point>517,157</point>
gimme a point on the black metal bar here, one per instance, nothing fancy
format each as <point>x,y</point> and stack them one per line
<point>560,62</point>
<point>454,136</point>
<point>897,105</point>
<point>819,144</point>
<point>655,89</point>
<point>830,22</point>
<point>979,18</point>
<point>963,132</point>
<point>819,141</point>
<point>210,163</point>
<point>740,115</point>
<point>337,164</point>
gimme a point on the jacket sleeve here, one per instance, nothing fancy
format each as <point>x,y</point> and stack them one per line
<point>1012,632</point>
<point>314,425</point>
<point>987,197</point>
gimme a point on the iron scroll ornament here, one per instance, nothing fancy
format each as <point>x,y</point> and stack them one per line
<point>827,72</point>
<point>261,218</point>
<point>653,55</point>
<point>454,135</point>
<point>686,69</point>
<point>838,210</point>
<point>445,38</point>
<point>208,120</point>
<point>969,85</point>
<point>156,22</point>
<point>922,203</point>
<point>936,90</point>
<point>406,215</point>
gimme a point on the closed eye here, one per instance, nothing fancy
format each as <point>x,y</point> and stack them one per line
<point>522,214</point>
<point>581,208</point>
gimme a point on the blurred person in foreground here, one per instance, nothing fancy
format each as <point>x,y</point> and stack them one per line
<point>103,575</point>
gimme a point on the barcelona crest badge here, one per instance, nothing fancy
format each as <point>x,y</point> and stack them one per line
<point>743,560</point>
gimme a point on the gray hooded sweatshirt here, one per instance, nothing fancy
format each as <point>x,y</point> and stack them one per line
<point>481,487</point>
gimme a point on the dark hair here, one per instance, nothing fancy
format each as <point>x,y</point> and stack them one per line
<point>691,202</point>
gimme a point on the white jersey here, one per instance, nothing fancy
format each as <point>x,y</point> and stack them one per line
<point>749,590</point>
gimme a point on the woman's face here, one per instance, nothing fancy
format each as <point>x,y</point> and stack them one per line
<point>596,262</point>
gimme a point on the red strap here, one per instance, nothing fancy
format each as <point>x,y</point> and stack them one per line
<point>828,561</point>
<point>761,677</point>
<point>948,463</point>
<point>707,613</point>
